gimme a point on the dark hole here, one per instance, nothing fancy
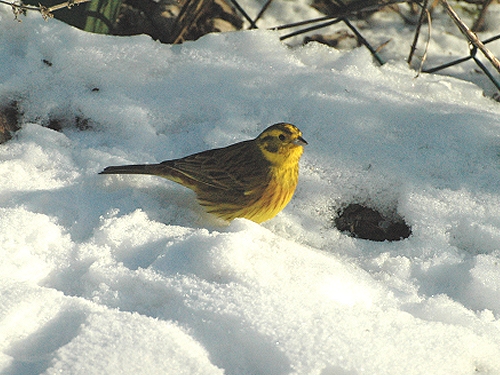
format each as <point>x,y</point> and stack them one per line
<point>9,120</point>
<point>366,223</point>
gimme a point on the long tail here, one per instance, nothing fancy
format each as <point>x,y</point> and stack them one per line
<point>153,169</point>
<point>163,169</point>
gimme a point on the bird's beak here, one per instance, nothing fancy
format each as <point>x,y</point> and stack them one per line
<point>300,141</point>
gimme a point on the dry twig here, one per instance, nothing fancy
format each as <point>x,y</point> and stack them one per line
<point>417,32</point>
<point>19,8</point>
<point>479,23</point>
<point>190,13</point>
<point>472,37</point>
<point>428,41</point>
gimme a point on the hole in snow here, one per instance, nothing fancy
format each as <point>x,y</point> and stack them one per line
<point>364,222</point>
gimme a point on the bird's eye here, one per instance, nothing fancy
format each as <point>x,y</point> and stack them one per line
<point>281,137</point>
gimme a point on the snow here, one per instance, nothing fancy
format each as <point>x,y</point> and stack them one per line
<point>127,274</point>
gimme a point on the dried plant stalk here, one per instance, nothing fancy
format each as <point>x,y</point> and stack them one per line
<point>471,36</point>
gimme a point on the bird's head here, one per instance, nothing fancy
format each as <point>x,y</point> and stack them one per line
<point>281,143</point>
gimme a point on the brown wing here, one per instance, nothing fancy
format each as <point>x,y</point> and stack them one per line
<point>236,168</point>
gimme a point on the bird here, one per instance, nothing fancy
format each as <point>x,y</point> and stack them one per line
<point>253,179</point>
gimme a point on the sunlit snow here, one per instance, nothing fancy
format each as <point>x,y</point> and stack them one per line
<point>128,275</point>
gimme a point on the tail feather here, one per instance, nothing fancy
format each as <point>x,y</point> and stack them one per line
<point>132,169</point>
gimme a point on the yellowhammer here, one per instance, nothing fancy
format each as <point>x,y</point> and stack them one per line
<point>253,179</point>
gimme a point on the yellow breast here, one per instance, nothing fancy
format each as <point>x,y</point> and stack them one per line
<point>275,197</point>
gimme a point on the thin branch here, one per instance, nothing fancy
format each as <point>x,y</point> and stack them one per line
<point>68,4</point>
<point>417,32</point>
<point>311,28</point>
<point>478,24</point>
<point>487,72</point>
<point>427,43</point>
<point>264,8</point>
<point>460,60</point>
<point>190,14</point>
<point>301,23</point>
<point>244,14</point>
<point>363,41</point>
<point>473,39</point>
<point>19,8</point>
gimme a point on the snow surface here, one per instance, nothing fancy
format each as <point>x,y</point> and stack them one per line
<point>128,275</point>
